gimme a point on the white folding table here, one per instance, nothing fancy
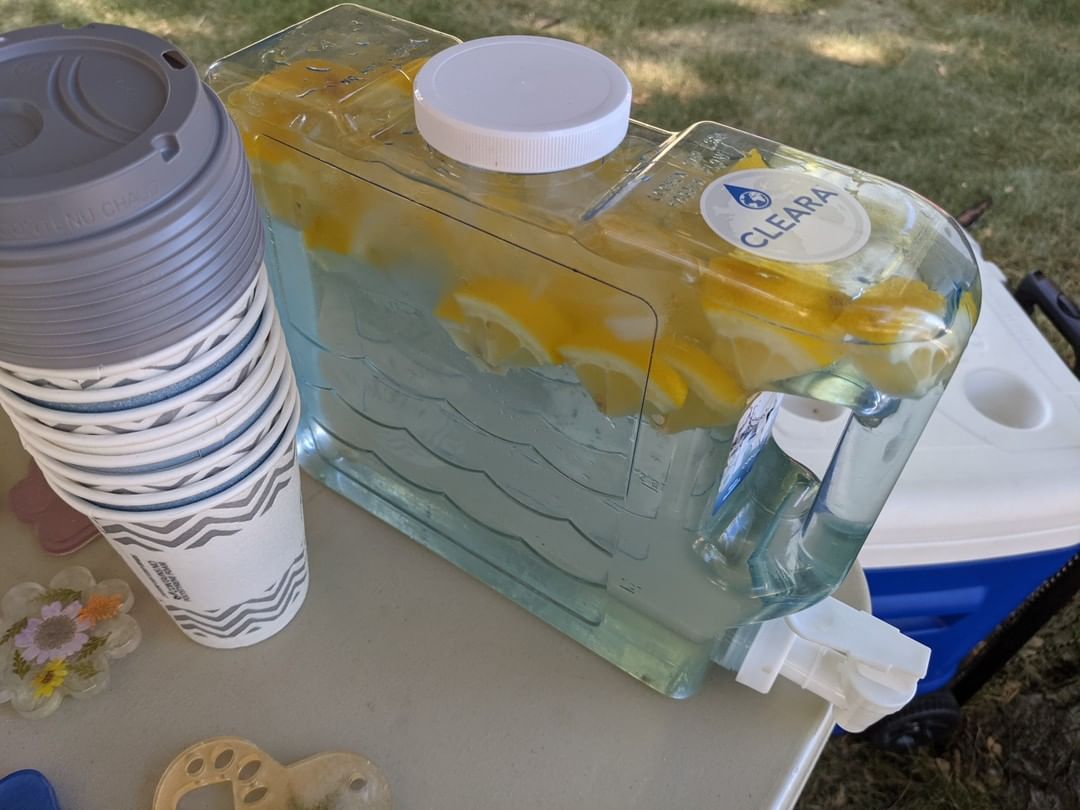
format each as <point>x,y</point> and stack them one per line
<point>463,698</point>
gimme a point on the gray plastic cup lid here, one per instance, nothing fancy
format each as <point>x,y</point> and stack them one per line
<point>96,124</point>
<point>115,161</point>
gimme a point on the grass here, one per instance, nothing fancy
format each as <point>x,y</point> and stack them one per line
<point>963,101</point>
<point>1017,746</point>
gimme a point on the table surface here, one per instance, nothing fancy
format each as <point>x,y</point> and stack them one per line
<point>463,698</point>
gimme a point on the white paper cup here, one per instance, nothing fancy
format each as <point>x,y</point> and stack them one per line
<point>230,570</point>
<point>176,483</point>
<point>201,428</point>
<point>207,479</point>
<point>183,404</point>
<point>150,366</point>
<point>167,383</point>
<point>204,447</point>
<point>255,359</point>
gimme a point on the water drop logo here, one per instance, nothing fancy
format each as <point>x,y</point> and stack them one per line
<point>749,198</point>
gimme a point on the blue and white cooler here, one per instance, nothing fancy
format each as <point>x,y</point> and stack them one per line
<point>988,507</point>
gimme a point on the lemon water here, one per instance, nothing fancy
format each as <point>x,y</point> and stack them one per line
<point>607,528</point>
<point>562,381</point>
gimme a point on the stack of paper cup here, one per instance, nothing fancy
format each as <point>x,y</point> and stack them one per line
<point>141,357</point>
<point>188,470</point>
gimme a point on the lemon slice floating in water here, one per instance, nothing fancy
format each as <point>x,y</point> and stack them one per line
<point>714,397</point>
<point>768,327</point>
<point>504,324</point>
<point>893,310</point>
<point>759,354</point>
<point>901,344</point>
<point>616,373</point>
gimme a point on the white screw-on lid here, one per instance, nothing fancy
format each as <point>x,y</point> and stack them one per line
<point>523,105</point>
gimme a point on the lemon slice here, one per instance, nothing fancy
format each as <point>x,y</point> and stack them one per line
<point>327,102</point>
<point>307,95</point>
<point>905,349</point>
<point>893,310</point>
<point>617,373</point>
<point>768,327</point>
<point>452,318</point>
<point>337,216</point>
<point>760,355</point>
<point>318,86</point>
<point>261,149</point>
<point>328,231</point>
<point>903,370</point>
<point>307,82</point>
<point>345,216</point>
<point>714,397</point>
<point>503,324</point>
<point>283,98</point>
<point>751,160</point>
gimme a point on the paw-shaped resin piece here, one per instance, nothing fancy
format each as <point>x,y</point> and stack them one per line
<point>58,640</point>
<point>333,781</point>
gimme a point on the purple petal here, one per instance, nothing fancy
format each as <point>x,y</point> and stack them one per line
<point>50,610</point>
<point>36,656</point>
<point>82,624</point>
<point>72,647</point>
<point>25,638</point>
<point>72,610</point>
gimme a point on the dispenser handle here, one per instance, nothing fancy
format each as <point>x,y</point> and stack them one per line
<point>866,464</point>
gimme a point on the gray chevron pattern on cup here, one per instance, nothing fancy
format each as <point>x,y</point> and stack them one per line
<point>248,616</point>
<point>191,478</point>
<point>166,418</point>
<point>128,378</point>
<point>179,482</point>
<point>224,520</point>
<point>150,371</point>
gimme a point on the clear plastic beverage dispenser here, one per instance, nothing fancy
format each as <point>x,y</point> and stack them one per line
<point>548,342</point>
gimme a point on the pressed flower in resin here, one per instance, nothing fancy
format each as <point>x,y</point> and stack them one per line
<point>50,678</point>
<point>59,640</point>
<point>101,608</point>
<point>57,633</point>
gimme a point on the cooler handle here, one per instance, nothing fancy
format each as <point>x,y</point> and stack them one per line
<point>1035,290</point>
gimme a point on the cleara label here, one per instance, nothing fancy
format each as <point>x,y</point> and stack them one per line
<point>785,215</point>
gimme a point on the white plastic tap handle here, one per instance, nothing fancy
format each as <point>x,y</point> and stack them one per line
<point>865,667</point>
